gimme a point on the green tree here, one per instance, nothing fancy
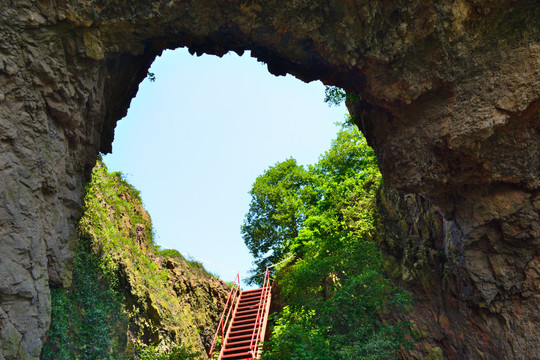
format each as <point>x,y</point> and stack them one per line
<point>334,95</point>
<point>287,194</point>
<point>336,291</point>
<point>281,198</point>
<point>348,157</point>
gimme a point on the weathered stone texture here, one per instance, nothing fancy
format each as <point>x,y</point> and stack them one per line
<point>449,97</point>
<point>471,299</point>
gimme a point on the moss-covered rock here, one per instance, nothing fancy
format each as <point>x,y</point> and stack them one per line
<point>435,354</point>
<point>126,292</point>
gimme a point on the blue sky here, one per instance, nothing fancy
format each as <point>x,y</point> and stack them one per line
<point>194,141</point>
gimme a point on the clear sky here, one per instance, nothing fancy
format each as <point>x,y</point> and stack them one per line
<point>194,141</point>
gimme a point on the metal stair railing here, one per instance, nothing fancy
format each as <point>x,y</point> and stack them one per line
<point>262,316</point>
<point>253,351</point>
<point>227,315</point>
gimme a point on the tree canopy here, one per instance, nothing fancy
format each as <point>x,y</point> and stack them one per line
<point>323,217</point>
<point>281,200</point>
<point>287,194</point>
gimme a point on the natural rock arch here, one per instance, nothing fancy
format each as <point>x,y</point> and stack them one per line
<point>449,96</point>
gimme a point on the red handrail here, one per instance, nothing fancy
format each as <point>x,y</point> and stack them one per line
<point>229,308</point>
<point>258,332</point>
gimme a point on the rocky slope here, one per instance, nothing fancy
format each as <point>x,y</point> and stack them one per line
<point>126,292</point>
<point>449,98</point>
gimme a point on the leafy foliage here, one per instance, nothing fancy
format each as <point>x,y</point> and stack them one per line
<point>177,353</point>
<point>334,95</point>
<point>296,337</point>
<point>88,320</point>
<point>218,345</point>
<point>281,199</point>
<point>336,291</point>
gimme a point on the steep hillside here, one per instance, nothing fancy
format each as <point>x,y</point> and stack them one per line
<point>126,292</point>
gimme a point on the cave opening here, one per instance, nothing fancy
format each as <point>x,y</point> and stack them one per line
<point>195,139</point>
<point>450,94</point>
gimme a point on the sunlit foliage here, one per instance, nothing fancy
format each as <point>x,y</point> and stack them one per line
<point>339,301</point>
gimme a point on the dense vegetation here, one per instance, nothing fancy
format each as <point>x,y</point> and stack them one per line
<point>88,318</point>
<point>322,218</point>
<point>129,298</point>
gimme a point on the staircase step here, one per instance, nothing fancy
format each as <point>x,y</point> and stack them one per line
<point>244,348</point>
<point>250,300</point>
<point>241,330</point>
<point>236,339</point>
<point>247,312</point>
<point>238,333</point>
<point>244,320</point>
<point>246,309</point>
<point>239,355</point>
<point>246,316</point>
<point>242,327</point>
<point>242,356</point>
<point>251,291</point>
<point>247,320</point>
<point>250,297</point>
<point>248,305</point>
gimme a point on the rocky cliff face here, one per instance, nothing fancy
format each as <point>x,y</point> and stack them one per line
<point>429,256</point>
<point>449,96</point>
<point>126,291</point>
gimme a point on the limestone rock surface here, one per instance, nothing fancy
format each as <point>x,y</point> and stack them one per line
<point>448,95</point>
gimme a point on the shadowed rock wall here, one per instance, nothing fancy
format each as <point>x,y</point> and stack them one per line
<point>449,96</point>
<point>432,258</point>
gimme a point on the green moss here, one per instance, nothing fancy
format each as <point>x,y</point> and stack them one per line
<point>123,298</point>
<point>88,321</point>
<point>435,354</point>
<point>11,340</point>
<point>417,332</point>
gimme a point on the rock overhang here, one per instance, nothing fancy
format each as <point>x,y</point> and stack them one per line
<point>448,95</point>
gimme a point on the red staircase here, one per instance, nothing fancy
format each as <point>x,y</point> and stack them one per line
<point>243,322</point>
